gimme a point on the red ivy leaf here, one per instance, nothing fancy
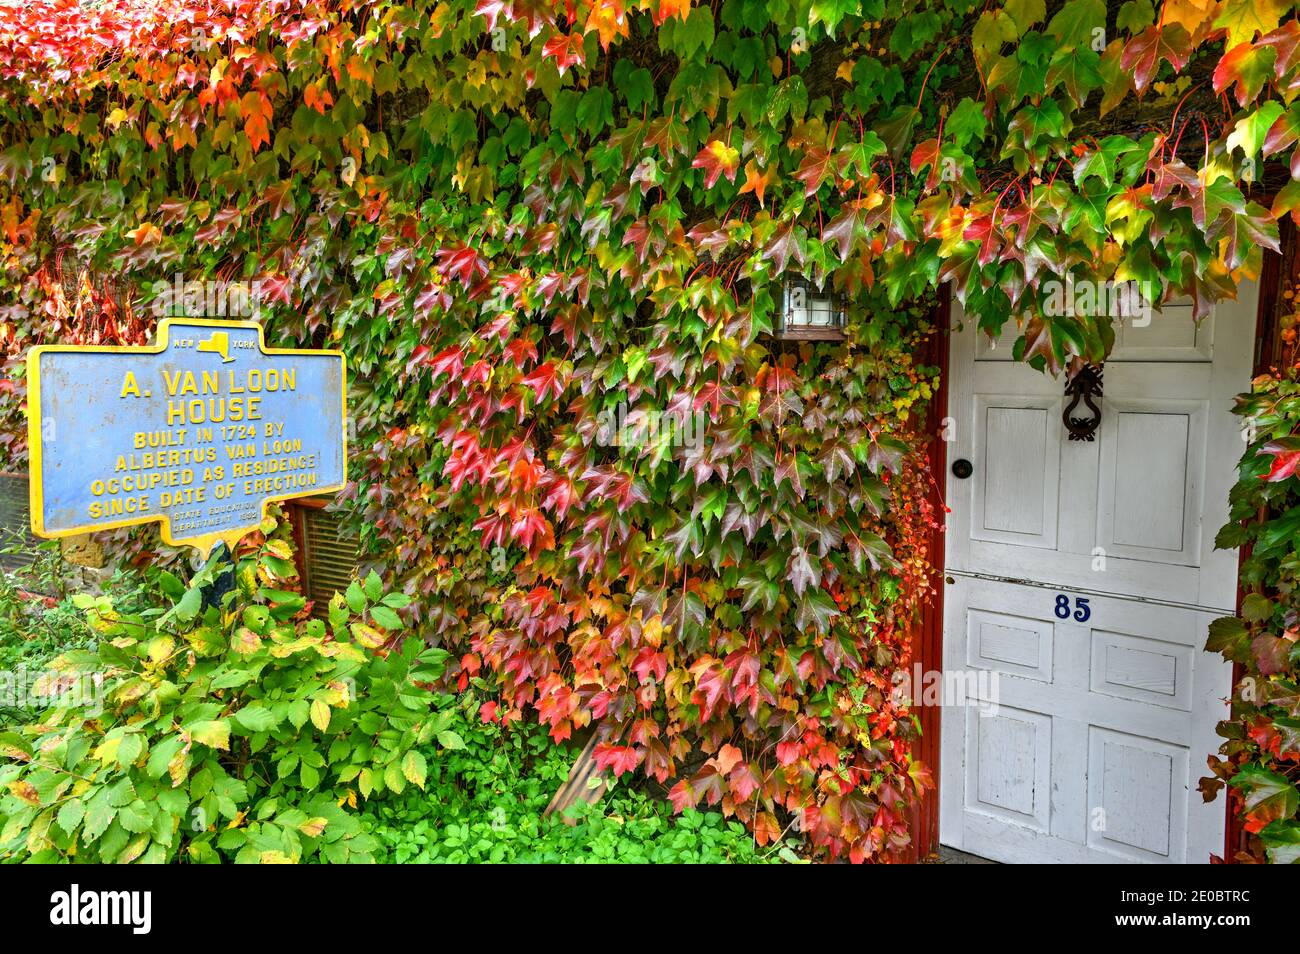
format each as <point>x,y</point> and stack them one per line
<point>545,380</point>
<point>618,758</point>
<point>567,50</point>
<point>463,263</point>
<point>1286,458</point>
<point>1144,52</point>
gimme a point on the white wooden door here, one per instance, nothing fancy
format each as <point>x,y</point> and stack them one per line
<point>1083,578</point>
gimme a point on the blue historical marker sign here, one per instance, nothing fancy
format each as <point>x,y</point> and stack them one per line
<point>198,432</point>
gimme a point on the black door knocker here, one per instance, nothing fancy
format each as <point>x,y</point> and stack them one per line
<point>1085,384</point>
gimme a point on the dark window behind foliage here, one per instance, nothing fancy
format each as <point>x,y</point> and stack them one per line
<point>328,555</point>
<point>15,523</point>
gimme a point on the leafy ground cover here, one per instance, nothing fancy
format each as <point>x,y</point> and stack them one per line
<point>484,803</point>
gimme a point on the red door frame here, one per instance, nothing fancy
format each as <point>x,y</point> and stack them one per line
<point>927,640</point>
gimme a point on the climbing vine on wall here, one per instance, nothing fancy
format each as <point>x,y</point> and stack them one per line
<point>1260,757</point>
<point>523,220</point>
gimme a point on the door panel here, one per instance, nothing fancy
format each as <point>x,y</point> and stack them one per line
<point>1009,775</point>
<point>1091,721</point>
<point>1152,468</point>
<point>1138,785</point>
<point>1018,456</point>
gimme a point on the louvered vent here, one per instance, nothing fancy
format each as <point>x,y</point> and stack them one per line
<point>329,556</point>
<point>15,523</point>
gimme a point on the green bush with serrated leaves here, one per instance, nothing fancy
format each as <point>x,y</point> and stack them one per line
<point>237,731</point>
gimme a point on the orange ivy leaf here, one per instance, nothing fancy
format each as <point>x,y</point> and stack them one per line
<point>757,182</point>
<point>607,19</point>
<point>727,758</point>
<point>145,233</point>
<point>669,8</point>
<point>717,158</point>
<point>256,109</point>
<point>317,97</point>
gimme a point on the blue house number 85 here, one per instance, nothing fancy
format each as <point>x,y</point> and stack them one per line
<point>1081,610</point>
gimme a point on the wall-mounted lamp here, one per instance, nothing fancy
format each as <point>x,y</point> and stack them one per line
<point>809,313</point>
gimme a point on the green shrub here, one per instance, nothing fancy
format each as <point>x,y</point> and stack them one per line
<point>484,803</point>
<point>32,634</point>
<point>181,731</point>
<point>218,733</point>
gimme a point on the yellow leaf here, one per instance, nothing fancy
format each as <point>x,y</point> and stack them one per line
<point>368,636</point>
<point>26,791</point>
<point>179,767</point>
<point>294,646</point>
<point>1244,18</point>
<point>279,549</point>
<point>320,714</point>
<point>476,74</point>
<point>133,850</point>
<point>214,733</point>
<point>117,117</point>
<point>414,768</point>
<point>607,19</point>
<point>107,750</point>
<point>313,827</point>
<point>652,631</point>
<point>344,651</point>
<point>1188,13</point>
<point>338,693</point>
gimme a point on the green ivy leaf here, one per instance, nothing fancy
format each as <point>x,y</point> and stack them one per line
<point>1269,797</point>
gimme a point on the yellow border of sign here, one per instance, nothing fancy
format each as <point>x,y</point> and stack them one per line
<point>206,542</point>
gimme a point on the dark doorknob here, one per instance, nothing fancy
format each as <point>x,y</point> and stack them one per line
<point>961,468</point>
